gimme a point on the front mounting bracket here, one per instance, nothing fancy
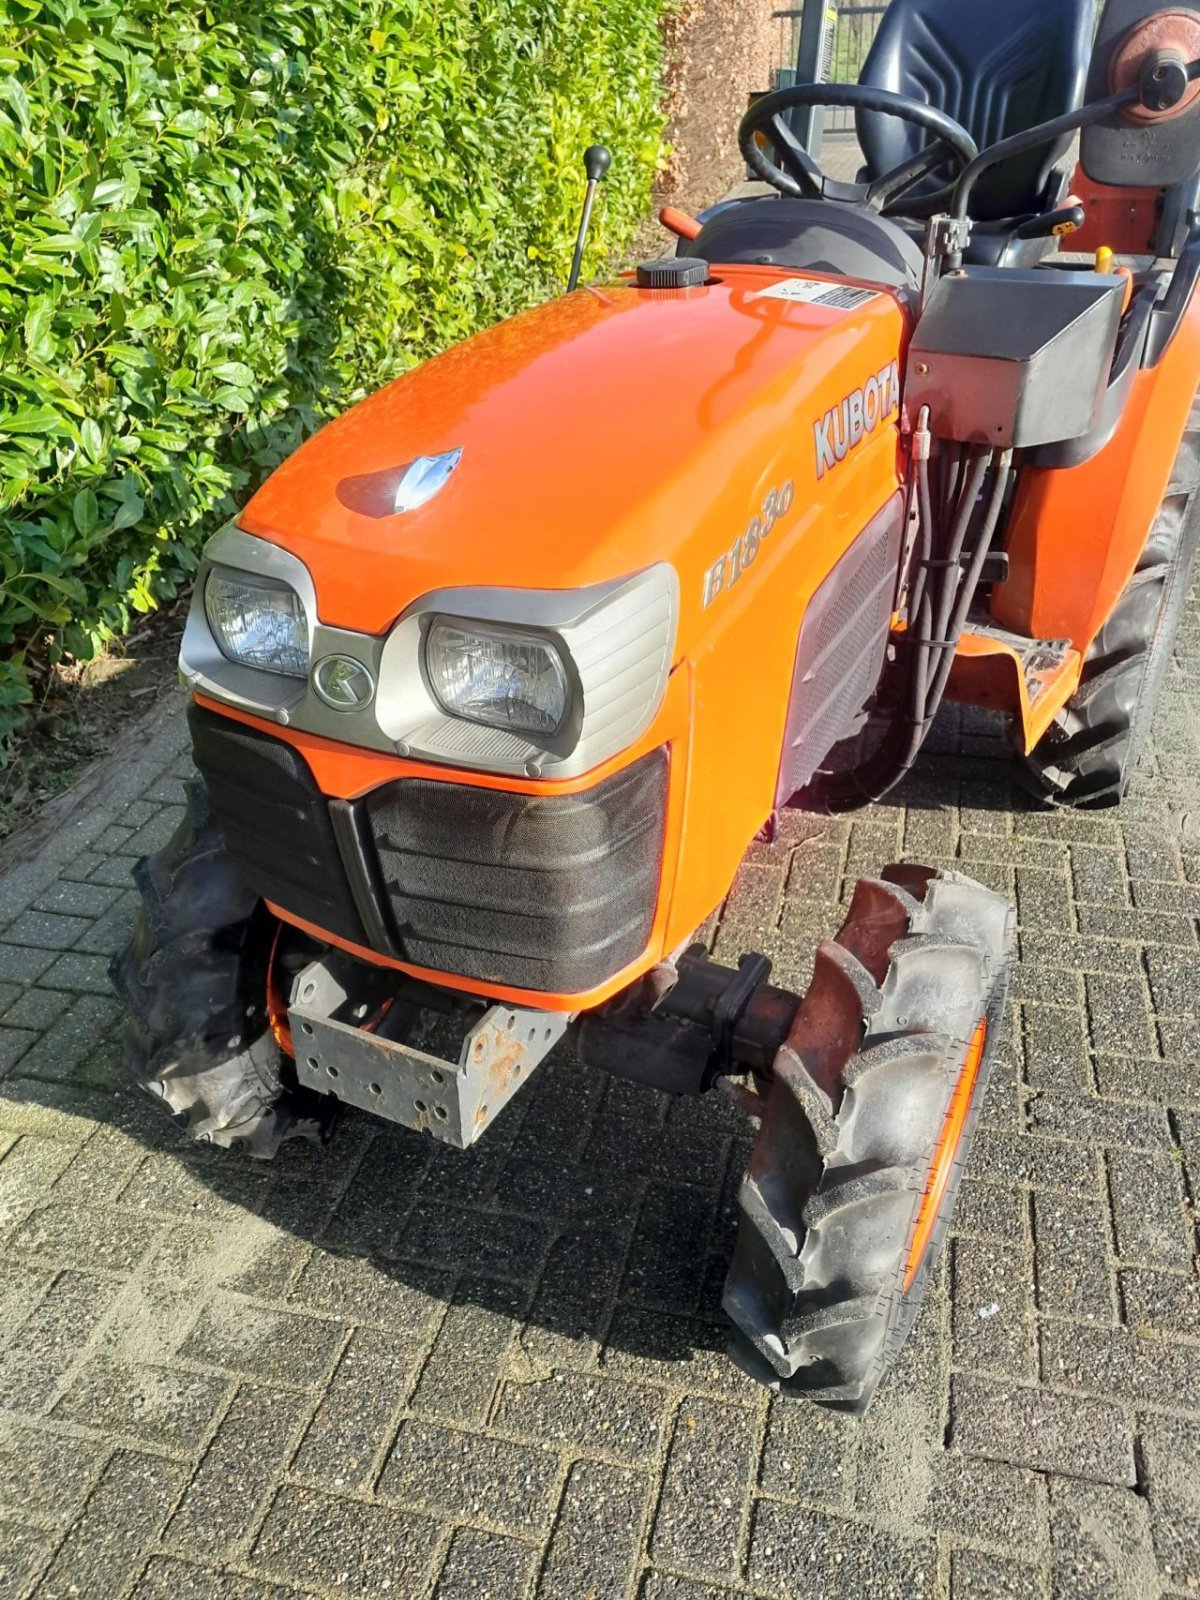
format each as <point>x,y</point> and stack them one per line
<point>379,1067</point>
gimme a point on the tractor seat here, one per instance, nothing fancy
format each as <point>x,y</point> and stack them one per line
<point>997,67</point>
<point>810,236</point>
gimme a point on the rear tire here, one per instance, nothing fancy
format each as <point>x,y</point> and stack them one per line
<point>1087,755</point>
<point>193,981</point>
<point>836,1239</point>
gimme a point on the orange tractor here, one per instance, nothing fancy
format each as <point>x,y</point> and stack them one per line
<point>496,679</point>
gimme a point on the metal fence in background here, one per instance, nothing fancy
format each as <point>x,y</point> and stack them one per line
<point>834,37</point>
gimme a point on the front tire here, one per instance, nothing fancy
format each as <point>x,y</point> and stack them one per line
<point>1087,755</point>
<point>194,981</point>
<point>867,1125</point>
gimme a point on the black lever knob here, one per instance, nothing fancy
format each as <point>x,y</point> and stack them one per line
<point>597,159</point>
<point>1066,219</point>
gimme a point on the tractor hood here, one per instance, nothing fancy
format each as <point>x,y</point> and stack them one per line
<point>599,434</point>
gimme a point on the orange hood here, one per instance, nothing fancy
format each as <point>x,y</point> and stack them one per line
<point>598,432</point>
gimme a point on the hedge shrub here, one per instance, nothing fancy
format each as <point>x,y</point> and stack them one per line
<point>220,223</point>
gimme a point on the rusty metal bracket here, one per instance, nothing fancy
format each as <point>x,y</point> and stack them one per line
<point>394,1078</point>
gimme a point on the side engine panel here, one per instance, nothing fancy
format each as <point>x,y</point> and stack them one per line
<point>840,652</point>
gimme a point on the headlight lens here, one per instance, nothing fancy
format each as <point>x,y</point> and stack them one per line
<point>499,677</point>
<point>257,622</point>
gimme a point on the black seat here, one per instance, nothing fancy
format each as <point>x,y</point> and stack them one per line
<point>995,66</point>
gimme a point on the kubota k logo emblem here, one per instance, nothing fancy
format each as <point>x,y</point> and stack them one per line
<point>846,425</point>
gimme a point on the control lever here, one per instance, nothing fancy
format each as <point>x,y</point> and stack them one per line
<point>596,162</point>
<point>1064,220</point>
<point>679,223</point>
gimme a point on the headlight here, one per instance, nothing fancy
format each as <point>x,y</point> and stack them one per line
<point>532,683</point>
<point>497,676</point>
<point>258,622</point>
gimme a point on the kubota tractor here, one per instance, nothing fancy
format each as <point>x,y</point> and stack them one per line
<point>496,679</point>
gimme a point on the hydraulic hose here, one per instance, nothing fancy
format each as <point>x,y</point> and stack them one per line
<point>923,551</point>
<point>939,601</point>
<point>1002,472</point>
<point>950,563</point>
<point>953,466</point>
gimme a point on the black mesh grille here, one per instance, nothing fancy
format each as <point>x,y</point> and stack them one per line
<point>553,893</point>
<point>844,667</point>
<point>840,649</point>
<point>275,821</point>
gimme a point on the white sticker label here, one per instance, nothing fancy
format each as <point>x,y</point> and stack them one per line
<point>818,292</point>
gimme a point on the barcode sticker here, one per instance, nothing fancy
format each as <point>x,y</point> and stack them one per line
<point>818,292</point>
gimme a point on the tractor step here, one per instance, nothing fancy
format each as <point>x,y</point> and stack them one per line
<point>1040,660</point>
<point>1030,678</point>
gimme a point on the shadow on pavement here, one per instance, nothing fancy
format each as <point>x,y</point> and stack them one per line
<point>594,1213</point>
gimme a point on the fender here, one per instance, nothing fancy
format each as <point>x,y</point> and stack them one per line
<point>1076,533</point>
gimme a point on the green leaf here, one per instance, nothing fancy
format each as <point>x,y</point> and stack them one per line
<point>39,340</point>
<point>70,588</point>
<point>14,689</point>
<point>112,189</point>
<point>231,399</point>
<point>129,510</point>
<point>79,643</point>
<point>12,92</point>
<point>91,438</point>
<point>32,419</point>
<point>188,122</point>
<point>234,372</point>
<point>85,512</point>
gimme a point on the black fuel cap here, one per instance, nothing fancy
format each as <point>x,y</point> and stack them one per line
<point>672,272</point>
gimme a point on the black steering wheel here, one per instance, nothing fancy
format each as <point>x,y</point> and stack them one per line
<point>798,175</point>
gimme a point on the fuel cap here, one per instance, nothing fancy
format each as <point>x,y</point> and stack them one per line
<point>672,272</point>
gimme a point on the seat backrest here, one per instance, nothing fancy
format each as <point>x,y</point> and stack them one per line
<point>996,66</point>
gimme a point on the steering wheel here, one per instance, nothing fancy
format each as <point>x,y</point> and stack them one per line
<point>799,176</point>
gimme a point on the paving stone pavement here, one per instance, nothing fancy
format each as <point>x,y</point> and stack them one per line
<point>390,1369</point>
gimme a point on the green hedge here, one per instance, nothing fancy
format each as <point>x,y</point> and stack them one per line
<point>220,223</point>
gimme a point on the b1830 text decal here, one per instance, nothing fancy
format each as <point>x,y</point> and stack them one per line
<point>723,574</point>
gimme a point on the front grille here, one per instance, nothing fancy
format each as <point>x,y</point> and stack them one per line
<point>275,821</point>
<point>552,893</point>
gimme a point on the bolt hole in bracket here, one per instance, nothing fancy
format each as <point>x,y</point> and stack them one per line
<point>390,1076</point>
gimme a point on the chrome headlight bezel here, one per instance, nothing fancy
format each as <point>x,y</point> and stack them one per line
<point>615,640</point>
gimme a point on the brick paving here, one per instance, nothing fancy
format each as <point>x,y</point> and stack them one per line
<point>389,1369</point>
